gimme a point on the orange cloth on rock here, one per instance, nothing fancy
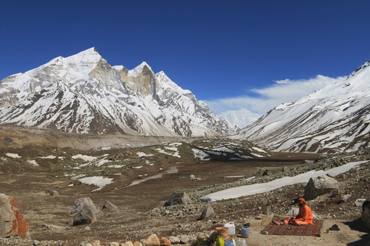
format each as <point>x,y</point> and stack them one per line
<point>305,214</point>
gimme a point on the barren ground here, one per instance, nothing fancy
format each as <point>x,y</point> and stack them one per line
<point>30,188</point>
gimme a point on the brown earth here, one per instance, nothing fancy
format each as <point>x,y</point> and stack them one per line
<point>30,187</point>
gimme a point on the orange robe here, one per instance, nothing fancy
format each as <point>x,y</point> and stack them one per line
<point>305,214</point>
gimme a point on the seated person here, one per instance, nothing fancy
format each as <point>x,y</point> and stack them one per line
<point>304,216</point>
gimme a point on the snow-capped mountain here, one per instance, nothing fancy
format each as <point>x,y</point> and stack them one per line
<point>84,94</point>
<point>335,118</point>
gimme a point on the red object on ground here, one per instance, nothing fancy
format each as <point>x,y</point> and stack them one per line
<point>307,230</point>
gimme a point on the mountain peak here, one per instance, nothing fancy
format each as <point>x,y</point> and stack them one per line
<point>83,94</point>
<point>366,64</point>
<point>139,69</point>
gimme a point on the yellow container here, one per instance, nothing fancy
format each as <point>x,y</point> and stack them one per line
<point>220,241</point>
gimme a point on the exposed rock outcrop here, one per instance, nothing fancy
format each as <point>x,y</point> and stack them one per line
<point>12,222</point>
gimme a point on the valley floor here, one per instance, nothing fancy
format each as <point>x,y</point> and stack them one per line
<point>142,213</point>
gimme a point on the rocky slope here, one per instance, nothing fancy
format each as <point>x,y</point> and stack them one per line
<point>333,119</point>
<point>84,94</point>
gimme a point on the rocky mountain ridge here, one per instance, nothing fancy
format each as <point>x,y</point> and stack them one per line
<point>84,94</point>
<point>333,119</point>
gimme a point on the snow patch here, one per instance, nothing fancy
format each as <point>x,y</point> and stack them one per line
<point>97,181</point>
<point>248,190</point>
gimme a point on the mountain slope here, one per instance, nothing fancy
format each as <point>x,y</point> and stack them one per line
<point>335,118</point>
<point>84,94</point>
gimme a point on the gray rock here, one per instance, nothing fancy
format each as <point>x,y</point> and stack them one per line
<point>360,202</point>
<point>108,206</point>
<point>86,212</point>
<point>208,211</point>
<point>7,216</point>
<point>366,213</point>
<point>54,193</point>
<point>178,198</point>
<point>318,186</point>
<point>113,244</point>
<point>174,240</point>
<point>344,198</point>
<point>184,239</point>
<point>84,243</point>
<point>266,173</point>
<point>285,169</point>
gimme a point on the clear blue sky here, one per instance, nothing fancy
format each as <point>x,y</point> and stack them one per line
<point>227,53</point>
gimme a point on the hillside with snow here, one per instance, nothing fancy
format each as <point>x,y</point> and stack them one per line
<point>84,94</point>
<point>333,119</point>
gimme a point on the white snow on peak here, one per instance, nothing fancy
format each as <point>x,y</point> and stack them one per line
<point>89,56</point>
<point>137,70</point>
<point>70,92</point>
<point>330,118</point>
<point>167,83</point>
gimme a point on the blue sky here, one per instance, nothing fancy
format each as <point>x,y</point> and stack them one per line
<point>242,57</point>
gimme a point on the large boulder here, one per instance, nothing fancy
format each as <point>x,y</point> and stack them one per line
<point>178,198</point>
<point>366,213</point>
<point>85,212</point>
<point>12,222</point>
<point>318,186</point>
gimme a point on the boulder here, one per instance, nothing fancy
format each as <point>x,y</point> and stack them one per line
<point>318,186</point>
<point>184,239</point>
<point>54,193</point>
<point>85,212</point>
<point>207,211</point>
<point>152,240</point>
<point>285,169</point>
<point>12,222</point>
<point>165,241</point>
<point>360,202</point>
<point>178,198</point>
<point>84,243</point>
<point>366,213</point>
<point>108,206</point>
<point>344,198</point>
<point>174,240</point>
<point>96,243</point>
<point>266,173</point>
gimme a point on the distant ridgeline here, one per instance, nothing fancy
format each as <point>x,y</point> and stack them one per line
<point>84,94</point>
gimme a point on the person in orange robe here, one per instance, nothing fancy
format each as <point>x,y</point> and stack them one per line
<point>304,216</point>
